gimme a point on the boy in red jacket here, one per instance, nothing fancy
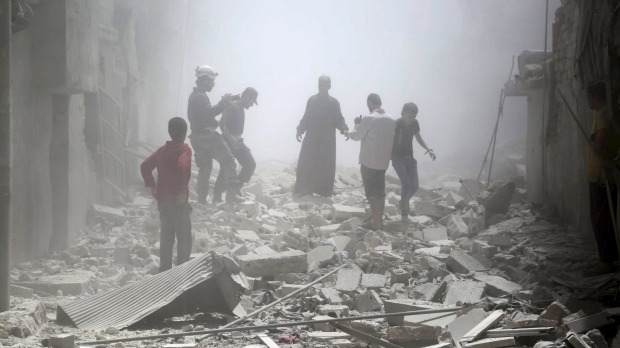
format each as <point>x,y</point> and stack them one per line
<point>173,162</point>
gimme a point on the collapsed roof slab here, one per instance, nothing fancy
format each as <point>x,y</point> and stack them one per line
<point>209,283</point>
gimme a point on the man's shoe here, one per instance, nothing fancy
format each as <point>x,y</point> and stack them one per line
<point>234,198</point>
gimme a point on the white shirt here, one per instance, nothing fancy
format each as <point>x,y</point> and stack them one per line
<point>376,132</point>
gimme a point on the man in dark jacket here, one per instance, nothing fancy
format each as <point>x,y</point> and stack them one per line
<point>316,168</point>
<point>232,124</point>
<point>208,144</point>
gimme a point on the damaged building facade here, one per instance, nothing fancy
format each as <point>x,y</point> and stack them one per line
<point>585,47</point>
<point>87,77</point>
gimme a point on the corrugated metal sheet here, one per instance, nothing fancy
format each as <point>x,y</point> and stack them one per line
<point>128,305</point>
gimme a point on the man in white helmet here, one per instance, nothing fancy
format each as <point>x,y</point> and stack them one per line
<point>208,144</point>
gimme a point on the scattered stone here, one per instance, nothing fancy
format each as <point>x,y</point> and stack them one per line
<point>367,301</point>
<point>463,292</point>
<point>461,262</point>
<point>498,286</point>
<point>338,310</point>
<point>349,278</point>
<point>293,261</point>
<point>435,233</point>
<point>456,227</point>
<point>342,212</point>
<point>406,334</point>
<point>331,295</point>
<point>431,209</point>
<point>62,341</point>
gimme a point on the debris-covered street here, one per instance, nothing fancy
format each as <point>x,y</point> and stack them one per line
<point>508,277</point>
<point>309,174</point>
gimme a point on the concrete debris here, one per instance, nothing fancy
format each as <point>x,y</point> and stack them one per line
<point>511,267</point>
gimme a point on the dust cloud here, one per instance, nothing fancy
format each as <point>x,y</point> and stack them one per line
<point>451,57</point>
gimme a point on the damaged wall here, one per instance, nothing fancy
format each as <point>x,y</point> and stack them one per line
<point>71,52</point>
<point>579,35</point>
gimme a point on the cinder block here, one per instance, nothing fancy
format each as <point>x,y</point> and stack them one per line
<point>349,278</point>
<point>293,261</point>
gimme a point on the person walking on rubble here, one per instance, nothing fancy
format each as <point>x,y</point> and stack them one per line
<point>403,161</point>
<point>206,141</point>
<point>173,162</point>
<point>316,168</point>
<point>376,133</point>
<point>606,141</point>
<point>232,124</point>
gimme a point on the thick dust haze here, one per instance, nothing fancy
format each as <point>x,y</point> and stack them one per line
<point>450,57</point>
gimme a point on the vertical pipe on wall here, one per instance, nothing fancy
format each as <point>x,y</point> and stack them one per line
<point>5,153</point>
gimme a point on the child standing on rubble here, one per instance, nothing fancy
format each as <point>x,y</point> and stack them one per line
<point>403,161</point>
<point>173,162</point>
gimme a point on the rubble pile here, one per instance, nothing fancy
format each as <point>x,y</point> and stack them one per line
<point>508,272</point>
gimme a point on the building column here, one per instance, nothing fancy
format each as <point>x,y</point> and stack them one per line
<point>59,172</point>
<point>5,153</point>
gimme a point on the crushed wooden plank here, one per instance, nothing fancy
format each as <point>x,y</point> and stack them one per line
<point>529,332</point>
<point>590,322</point>
<point>483,326</point>
<point>492,343</point>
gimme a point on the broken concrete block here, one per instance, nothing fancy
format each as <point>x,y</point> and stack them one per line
<point>320,254</point>
<point>349,278</point>
<point>325,327</point>
<point>341,343</point>
<point>399,275</point>
<point>456,227</point>
<point>484,249</point>
<point>424,292</point>
<point>351,224</point>
<point>555,311</point>
<point>331,295</point>
<point>293,261</point>
<point>373,281</point>
<point>406,334</point>
<point>62,341</point>
<point>467,291</point>
<point>246,236</point>
<point>498,286</point>
<point>367,301</point>
<point>432,209</point>
<point>434,233</point>
<point>465,323</point>
<point>461,262</point>
<point>326,337</point>
<point>455,200</point>
<point>338,310</point>
<point>342,212</point>
<point>496,199</point>
<point>239,250</point>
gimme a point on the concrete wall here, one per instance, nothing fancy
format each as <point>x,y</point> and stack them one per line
<point>567,189</point>
<point>31,215</point>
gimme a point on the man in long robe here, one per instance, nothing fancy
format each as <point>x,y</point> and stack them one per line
<point>316,168</point>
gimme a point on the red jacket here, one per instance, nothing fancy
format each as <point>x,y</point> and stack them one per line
<point>174,167</point>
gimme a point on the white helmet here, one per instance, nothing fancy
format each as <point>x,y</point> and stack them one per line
<point>205,70</point>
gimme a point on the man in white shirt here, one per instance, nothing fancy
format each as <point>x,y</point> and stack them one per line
<point>376,133</point>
